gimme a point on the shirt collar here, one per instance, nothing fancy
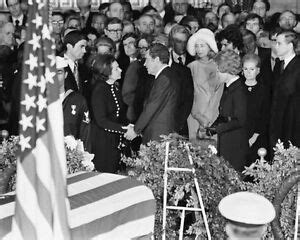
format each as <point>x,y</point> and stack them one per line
<point>176,56</point>
<point>162,13</point>
<point>70,62</point>
<point>20,19</point>
<point>232,80</point>
<point>160,70</point>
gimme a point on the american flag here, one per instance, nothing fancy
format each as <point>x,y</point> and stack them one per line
<point>41,202</point>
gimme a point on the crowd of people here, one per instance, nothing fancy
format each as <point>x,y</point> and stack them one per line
<point>127,76</point>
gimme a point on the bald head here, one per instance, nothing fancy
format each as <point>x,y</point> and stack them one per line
<point>7,34</point>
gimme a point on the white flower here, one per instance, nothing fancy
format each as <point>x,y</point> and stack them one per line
<point>212,149</point>
<point>80,146</point>
<point>71,142</point>
<point>87,161</point>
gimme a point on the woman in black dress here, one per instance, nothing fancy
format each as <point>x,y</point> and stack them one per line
<point>231,123</point>
<point>107,114</point>
<point>257,107</point>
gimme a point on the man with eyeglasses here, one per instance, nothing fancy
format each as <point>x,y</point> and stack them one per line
<point>114,32</point>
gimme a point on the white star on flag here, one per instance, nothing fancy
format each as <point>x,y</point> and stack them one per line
<point>32,62</point>
<point>42,103</point>
<point>40,124</point>
<point>42,84</point>
<point>26,122</point>
<point>35,41</point>
<point>24,142</point>
<point>31,81</point>
<point>46,32</point>
<point>52,59</point>
<point>38,20</point>
<point>49,75</point>
<point>28,102</point>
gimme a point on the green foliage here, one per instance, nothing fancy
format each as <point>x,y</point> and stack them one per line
<point>216,180</point>
<point>267,180</point>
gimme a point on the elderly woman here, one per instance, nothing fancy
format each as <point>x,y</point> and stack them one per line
<point>231,122</point>
<point>107,115</point>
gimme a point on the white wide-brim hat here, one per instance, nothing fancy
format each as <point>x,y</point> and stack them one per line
<point>205,35</point>
<point>247,208</point>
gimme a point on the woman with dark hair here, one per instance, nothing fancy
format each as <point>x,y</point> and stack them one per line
<point>107,114</point>
<point>231,122</point>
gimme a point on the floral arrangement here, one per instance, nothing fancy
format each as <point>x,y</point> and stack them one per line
<point>77,158</point>
<point>8,149</point>
<point>216,179</point>
<point>268,178</point>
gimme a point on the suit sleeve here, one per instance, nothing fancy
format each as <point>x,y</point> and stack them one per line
<point>157,96</point>
<point>239,117</point>
<point>101,115</point>
<point>130,82</point>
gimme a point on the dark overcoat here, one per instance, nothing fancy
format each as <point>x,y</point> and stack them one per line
<point>232,135</point>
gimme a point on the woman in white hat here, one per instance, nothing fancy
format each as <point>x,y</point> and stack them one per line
<point>207,88</point>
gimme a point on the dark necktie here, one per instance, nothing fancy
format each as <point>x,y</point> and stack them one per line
<point>180,60</point>
<point>17,22</point>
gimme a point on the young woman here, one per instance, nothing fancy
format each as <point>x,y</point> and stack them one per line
<point>207,88</point>
<point>107,114</point>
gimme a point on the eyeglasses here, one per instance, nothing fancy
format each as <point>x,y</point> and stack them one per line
<point>114,30</point>
<point>143,48</point>
<point>60,22</point>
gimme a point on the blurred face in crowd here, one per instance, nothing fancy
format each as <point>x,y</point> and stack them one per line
<point>250,70</point>
<point>7,35</point>
<point>114,32</point>
<point>143,47</point>
<point>91,40</point>
<point>225,45</point>
<point>287,20</point>
<point>264,42</point>
<point>253,25</point>
<point>211,18</point>
<point>194,26</point>
<point>146,25</point>
<point>273,44</point>
<point>3,19</point>
<point>260,9</point>
<point>180,6</point>
<point>151,64</point>
<point>179,43</point>
<point>83,4</point>
<point>128,28</point>
<point>98,23</point>
<point>14,8</point>
<point>24,7</point>
<point>57,24</point>
<point>282,46</point>
<point>202,49</point>
<point>74,23</point>
<point>77,51</point>
<point>228,19</point>
<point>115,71</point>
<point>116,10</point>
<point>249,44</point>
<point>223,9</point>
<point>159,5</point>
<point>129,47</point>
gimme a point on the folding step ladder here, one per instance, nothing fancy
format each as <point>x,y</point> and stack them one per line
<point>183,209</point>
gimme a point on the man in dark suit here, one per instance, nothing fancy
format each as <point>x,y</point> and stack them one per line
<point>285,114</point>
<point>75,43</point>
<point>85,13</point>
<point>178,38</point>
<point>16,15</point>
<point>158,116</point>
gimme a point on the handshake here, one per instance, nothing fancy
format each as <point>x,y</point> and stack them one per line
<point>130,134</point>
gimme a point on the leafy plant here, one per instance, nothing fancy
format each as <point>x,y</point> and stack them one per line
<point>8,150</point>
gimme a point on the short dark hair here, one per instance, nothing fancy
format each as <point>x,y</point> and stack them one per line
<point>106,41</point>
<point>114,20</point>
<point>233,35</point>
<point>128,35</point>
<point>6,1</point>
<point>252,16</point>
<point>74,37</point>
<point>161,51</point>
<point>101,67</point>
<point>290,37</point>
